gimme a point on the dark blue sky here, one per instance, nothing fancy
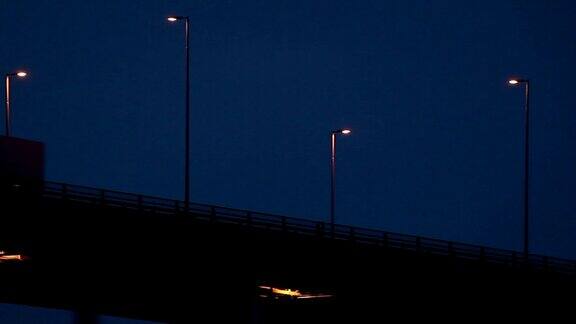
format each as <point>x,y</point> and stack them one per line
<point>437,148</point>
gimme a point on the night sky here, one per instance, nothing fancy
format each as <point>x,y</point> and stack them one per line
<point>437,142</point>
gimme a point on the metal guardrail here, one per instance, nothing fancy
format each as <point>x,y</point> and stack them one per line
<point>211,213</point>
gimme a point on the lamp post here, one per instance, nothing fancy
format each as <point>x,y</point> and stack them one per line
<point>333,172</point>
<point>187,118</point>
<point>526,83</point>
<point>19,74</point>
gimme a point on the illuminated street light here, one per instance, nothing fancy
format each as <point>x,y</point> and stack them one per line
<point>526,83</point>
<point>19,74</point>
<point>333,134</point>
<point>187,118</point>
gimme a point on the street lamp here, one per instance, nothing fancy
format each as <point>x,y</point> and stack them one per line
<point>515,82</point>
<point>19,74</point>
<point>187,118</point>
<point>333,170</point>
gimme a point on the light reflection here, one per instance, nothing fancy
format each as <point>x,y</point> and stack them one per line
<point>11,257</point>
<point>276,293</point>
<point>286,292</point>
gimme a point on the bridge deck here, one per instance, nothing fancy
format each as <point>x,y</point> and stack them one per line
<point>152,258</point>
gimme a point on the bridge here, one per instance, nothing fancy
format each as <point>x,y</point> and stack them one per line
<point>99,251</point>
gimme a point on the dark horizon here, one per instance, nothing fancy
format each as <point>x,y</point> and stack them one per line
<point>437,142</point>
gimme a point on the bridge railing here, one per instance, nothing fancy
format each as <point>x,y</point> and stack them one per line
<point>211,213</point>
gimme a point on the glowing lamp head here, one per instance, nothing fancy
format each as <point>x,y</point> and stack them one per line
<point>21,74</point>
<point>172,18</point>
<point>346,131</point>
<point>518,81</point>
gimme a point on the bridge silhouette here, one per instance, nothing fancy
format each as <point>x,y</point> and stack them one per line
<point>98,251</point>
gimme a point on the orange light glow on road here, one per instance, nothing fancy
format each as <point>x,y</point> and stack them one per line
<point>286,292</point>
<point>276,293</point>
<point>11,257</point>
